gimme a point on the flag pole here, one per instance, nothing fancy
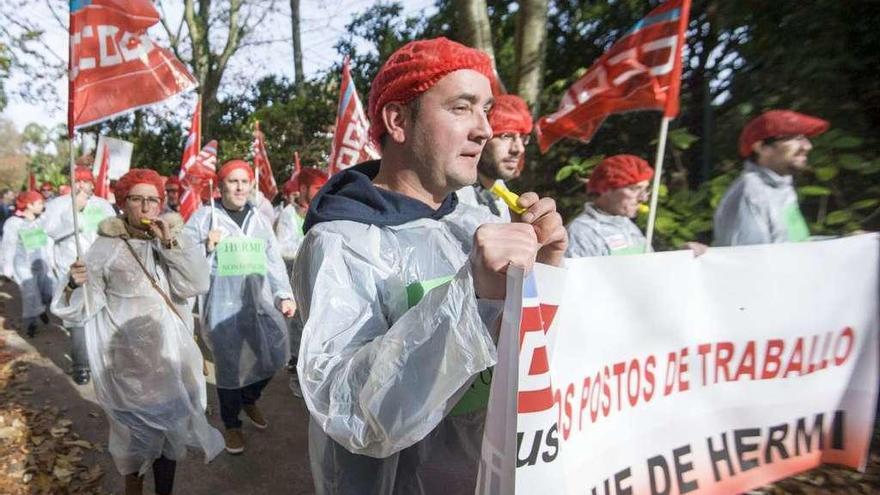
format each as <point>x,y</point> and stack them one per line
<point>655,187</point>
<point>211,195</point>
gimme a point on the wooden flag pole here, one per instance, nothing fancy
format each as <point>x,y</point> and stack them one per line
<point>655,187</point>
<point>75,210</point>
<point>211,195</point>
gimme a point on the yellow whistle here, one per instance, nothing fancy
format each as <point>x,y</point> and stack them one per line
<point>146,221</point>
<point>643,208</point>
<point>508,197</point>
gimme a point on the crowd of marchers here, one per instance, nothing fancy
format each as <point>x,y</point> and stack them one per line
<point>379,288</point>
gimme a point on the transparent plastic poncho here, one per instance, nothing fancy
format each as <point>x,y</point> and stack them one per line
<point>394,341</point>
<point>596,233</point>
<point>57,221</point>
<point>26,256</point>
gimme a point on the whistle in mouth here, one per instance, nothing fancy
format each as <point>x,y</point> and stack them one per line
<point>509,197</point>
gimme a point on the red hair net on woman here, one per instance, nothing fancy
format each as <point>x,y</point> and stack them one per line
<point>25,198</point>
<point>137,176</point>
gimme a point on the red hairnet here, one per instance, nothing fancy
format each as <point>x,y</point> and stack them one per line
<point>137,176</point>
<point>778,123</point>
<point>173,182</point>
<point>311,176</point>
<point>63,189</point>
<point>83,174</point>
<point>510,114</point>
<point>25,198</point>
<point>618,171</point>
<point>47,186</point>
<point>292,184</point>
<point>233,165</point>
<point>416,67</point>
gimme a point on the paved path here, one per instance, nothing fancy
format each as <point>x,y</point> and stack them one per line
<point>275,460</point>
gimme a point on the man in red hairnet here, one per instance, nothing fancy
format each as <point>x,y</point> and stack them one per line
<point>47,190</point>
<point>761,206</point>
<point>58,223</point>
<point>401,288</point>
<point>26,258</point>
<point>617,186</point>
<point>511,124</point>
<point>172,194</point>
<point>249,299</point>
<point>139,276</point>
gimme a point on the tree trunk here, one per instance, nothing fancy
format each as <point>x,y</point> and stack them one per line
<point>298,75</point>
<point>531,41</point>
<point>473,27</point>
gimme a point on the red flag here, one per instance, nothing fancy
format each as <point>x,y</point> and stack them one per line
<point>267,183</point>
<point>297,166</point>
<point>351,137</point>
<point>102,181</point>
<point>32,181</point>
<point>193,140</point>
<point>197,179</point>
<point>114,65</point>
<point>641,71</point>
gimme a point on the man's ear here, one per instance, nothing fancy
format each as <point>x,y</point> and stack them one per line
<point>756,147</point>
<point>396,115</point>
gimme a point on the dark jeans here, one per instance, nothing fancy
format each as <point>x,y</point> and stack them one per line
<point>233,399</point>
<point>78,353</point>
<point>163,475</point>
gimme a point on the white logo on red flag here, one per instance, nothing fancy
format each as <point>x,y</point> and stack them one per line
<point>114,65</point>
<point>351,137</point>
<point>267,183</point>
<point>641,71</point>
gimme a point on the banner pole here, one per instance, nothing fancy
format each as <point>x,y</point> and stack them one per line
<point>655,187</point>
<point>211,195</point>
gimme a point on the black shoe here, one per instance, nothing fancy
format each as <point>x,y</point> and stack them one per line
<point>32,329</point>
<point>44,318</point>
<point>81,377</point>
<point>291,365</point>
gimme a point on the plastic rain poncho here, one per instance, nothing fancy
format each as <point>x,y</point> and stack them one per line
<point>477,195</point>
<point>244,330</point>
<point>57,221</point>
<point>26,258</point>
<point>394,344</point>
<point>289,229</point>
<point>596,233</point>
<point>760,207</point>
<point>146,366</point>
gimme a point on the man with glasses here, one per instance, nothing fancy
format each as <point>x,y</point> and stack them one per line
<point>511,124</point>
<point>761,206</point>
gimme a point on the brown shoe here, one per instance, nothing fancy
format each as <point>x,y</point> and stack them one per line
<point>256,416</point>
<point>234,440</point>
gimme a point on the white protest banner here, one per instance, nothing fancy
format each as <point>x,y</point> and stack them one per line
<point>120,156</point>
<point>667,374</point>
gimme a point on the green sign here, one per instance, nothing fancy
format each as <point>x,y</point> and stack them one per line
<point>636,249</point>
<point>299,221</point>
<point>237,256</point>
<point>90,217</point>
<point>795,223</point>
<point>33,239</point>
<point>477,396</point>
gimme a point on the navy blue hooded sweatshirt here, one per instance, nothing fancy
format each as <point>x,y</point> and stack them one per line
<point>351,195</point>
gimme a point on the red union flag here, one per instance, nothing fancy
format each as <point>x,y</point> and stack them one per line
<point>351,140</point>
<point>193,141</point>
<point>197,178</point>
<point>114,65</point>
<point>267,183</point>
<point>641,71</point>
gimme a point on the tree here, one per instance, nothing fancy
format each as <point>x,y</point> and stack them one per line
<point>215,32</point>
<point>298,74</point>
<point>473,27</point>
<point>531,37</point>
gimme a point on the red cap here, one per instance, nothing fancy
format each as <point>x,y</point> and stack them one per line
<point>47,186</point>
<point>137,176</point>
<point>777,123</point>
<point>510,113</point>
<point>311,176</point>
<point>25,198</point>
<point>83,174</point>
<point>233,165</point>
<point>618,171</point>
<point>415,68</point>
<point>172,182</point>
